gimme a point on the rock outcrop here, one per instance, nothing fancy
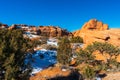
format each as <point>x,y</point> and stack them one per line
<point>53,31</point>
<point>97,31</point>
<point>50,31</point>
<point>93,24</point>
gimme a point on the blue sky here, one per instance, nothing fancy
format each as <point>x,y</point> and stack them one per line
<point>68,14</point>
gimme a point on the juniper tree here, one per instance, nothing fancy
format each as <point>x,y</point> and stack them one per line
<point>104,49</point>
<point>64,51</point>
<point>13,49</point>
<point>76,40</point>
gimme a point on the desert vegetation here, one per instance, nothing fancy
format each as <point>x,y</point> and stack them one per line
<point>91,65</point>
<point>86,63</point>
<point>76,39</point>
<point>13,48</point>
<point>64,51</point>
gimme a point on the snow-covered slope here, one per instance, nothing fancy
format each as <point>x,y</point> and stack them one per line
<point>41,59</point>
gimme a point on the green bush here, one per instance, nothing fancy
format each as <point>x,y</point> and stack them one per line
<point>64,51</point>
<point>105,48</point>
<point>76,40</point>
<point>89,73</point>
<point>13,48</point>
<point>85,57</point>
<point>51,47</point>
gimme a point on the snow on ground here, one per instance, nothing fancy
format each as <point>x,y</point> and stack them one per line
<point>41,59</point>
<point>31,35</point>
<point>52,41</point>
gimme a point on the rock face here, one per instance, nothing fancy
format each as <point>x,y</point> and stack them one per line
<point>53,31</point>
<point>97,31</point>
<point>50,31</point>
<point>93,24</point>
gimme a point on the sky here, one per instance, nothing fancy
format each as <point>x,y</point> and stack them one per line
<point>68,14</point>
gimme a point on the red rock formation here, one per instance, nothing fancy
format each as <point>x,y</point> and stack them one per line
<point>50,31</point>
<point>53,31</point>
<point>97,31</point>
<point>93,24</point>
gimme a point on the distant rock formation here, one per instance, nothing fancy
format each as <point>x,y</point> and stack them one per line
<point>50,31</point>
<point>2,26</point>
<point>53,31</point>
<point>93,24</point>
<point>97,31</point>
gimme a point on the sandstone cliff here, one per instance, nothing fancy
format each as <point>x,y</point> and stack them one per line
<point>97,31</point>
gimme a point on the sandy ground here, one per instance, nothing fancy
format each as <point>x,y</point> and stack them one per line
<point>112,76</point>
<point>50,72</point>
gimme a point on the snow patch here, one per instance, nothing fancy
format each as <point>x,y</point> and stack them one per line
<point>39,62</point>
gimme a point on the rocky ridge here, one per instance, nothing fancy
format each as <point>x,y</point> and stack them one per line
<point>50,31</point>
<point>53,31</point>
